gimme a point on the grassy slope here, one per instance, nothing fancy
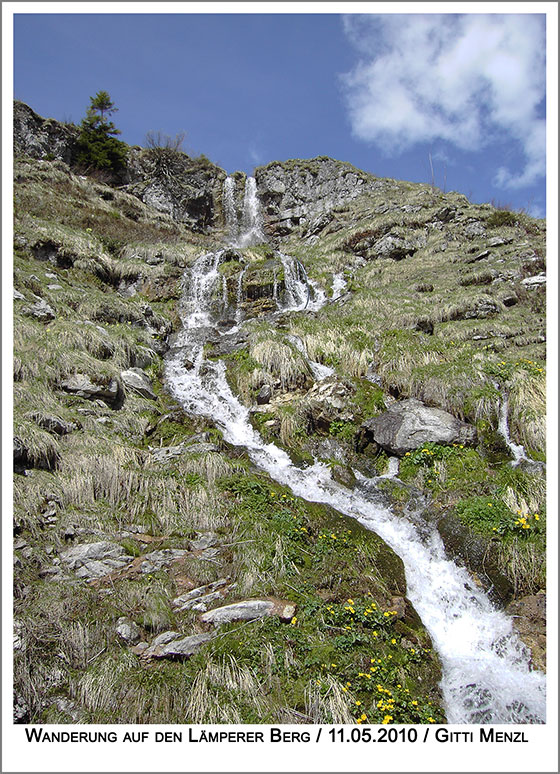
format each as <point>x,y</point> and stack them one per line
<point>470,361</point>
<point>99,480</point>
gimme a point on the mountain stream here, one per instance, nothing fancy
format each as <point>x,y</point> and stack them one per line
<point>486,673</point>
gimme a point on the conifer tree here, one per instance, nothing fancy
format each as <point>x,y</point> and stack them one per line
<point>98,147</point>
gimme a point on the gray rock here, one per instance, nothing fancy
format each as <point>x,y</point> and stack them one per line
<point>95,560</point>
<point>204,541</point>
<point>53,424</point>
<point>170,645</point>
<point>394,247</point>
<point>201,598</point>
<point>409,424</point>
<point>18,296</point>
<point>249,610</point>
<point>297,191</point>
<point>166,453</point>
<point>328,401</point>
<point>137,380</point>
<point>474,229</point>
<point>108,390</point>
<point>41,138</point>
<point>164,638</point>
<point>534,282</point>
<point>40,311</point>
<point>128,631</point>
<point>157,560</point>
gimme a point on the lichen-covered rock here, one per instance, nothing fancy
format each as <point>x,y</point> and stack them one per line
<point>172,645</point>
<point>408,424</point>
<point>328,401</point>
<point>40,310</point>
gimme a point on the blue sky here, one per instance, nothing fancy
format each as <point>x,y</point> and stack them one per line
<point>384,92</point>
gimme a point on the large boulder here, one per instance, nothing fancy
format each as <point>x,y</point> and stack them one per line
<point>409,423</point>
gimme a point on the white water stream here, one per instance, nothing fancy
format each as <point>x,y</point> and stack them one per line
<point>486,672</point>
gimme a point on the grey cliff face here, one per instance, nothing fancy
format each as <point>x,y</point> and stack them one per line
<point>170,181</point>
<point>293,191</point>
<point>43,138</point>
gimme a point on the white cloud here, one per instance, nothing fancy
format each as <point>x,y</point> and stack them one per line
<point>470,80</point>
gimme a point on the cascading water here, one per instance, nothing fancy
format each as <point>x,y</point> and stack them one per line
<point>252,227</point>
<point>486,672</point>
<point>230,209</point>
<point>517,450</point>
<point>339,285</point>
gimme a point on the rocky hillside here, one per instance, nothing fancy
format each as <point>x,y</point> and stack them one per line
<point>159,577</point>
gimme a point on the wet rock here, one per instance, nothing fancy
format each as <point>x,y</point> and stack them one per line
<point>408,424</point>
<point>249,610</point>
<point>110,391</point>
<point>529,618</point>
<point>477,554</point>
<point>264,394</point>
<point>137,380</point>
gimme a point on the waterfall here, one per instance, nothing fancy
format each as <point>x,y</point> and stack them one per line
<point>487,676</point>
<point>517,450</point>
<point>230,210</point>
<point>252,225</point>
<point>250,231</point>
<point>339,285</point>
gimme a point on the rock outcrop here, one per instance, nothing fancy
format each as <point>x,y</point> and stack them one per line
<point>43,138</point>
<point>292,192</point>
<point>171,182</point>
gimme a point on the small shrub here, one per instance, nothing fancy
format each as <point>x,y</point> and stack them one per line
<point>502,218</point>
